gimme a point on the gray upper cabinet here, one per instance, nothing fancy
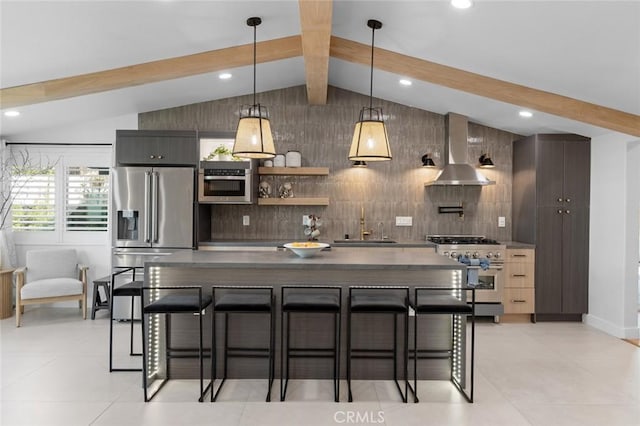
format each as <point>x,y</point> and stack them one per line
<point>156,147</point>
<point>551,175</point>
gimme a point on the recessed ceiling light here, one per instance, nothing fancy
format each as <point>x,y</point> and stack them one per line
<point>525,114</point>
<point>461,4</point>
<point>225,76</point>
<point>11,113</point>
<point>405,82</point>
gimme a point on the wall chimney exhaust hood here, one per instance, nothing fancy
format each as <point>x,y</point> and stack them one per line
<point>457,170</point>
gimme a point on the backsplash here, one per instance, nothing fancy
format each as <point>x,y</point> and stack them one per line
<point>323,133</point>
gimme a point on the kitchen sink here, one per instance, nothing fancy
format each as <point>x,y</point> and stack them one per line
<point>364,241</point>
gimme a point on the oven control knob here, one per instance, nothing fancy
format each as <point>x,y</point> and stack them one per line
<point>446,253</point>
<point>454,255</point>
<point>476,254</point>
<point>467,254</point>
<point>489,255</point>
<point>497,255</point>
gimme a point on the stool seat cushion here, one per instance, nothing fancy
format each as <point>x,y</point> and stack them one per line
<point>243,302</point>
<point>176,303</point>
<point>378,303</point>
<point>311,302</point>
<point>132,288</point>
<point>442,304</point>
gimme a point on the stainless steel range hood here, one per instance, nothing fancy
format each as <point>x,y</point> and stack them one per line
<point>457,170</point>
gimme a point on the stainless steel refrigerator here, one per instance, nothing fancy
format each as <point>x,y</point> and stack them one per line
<point>152,215</point>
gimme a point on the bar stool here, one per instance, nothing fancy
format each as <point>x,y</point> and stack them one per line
<point>446,301</point>
<point>97,302</point>
<point>131,289</point>
<point>230,300</point>
<point>308,299</point>
<point>177,302</point>
<point>388,300</point>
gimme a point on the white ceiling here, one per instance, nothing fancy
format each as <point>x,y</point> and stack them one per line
<point>587,50</point>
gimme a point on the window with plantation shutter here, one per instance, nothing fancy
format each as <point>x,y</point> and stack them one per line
<point>87,198</point>
<point>33,194</point>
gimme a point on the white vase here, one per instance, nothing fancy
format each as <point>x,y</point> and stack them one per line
<point>224,157</point>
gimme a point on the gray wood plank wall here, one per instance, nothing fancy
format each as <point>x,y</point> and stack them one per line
<point>387,189</point>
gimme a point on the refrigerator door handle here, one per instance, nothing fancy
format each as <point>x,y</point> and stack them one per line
<point>154,207</point>
<point>147,206</point>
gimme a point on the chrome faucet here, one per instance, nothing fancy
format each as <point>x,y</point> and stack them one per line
<point>381,229</point>
<point>363,232</point>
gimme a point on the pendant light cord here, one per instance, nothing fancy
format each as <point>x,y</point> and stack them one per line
<point>255,29</point>
<point>373,34</point>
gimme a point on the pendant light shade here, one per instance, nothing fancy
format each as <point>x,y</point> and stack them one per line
<point>370,140</point>
<point>253,135</point>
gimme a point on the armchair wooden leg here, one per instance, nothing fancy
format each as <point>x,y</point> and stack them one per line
<point>18,315</point>
<point>84,307</point>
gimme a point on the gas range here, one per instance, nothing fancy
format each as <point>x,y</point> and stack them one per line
<point>472,246</point>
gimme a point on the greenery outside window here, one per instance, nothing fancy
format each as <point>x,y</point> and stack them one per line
<point>33,193</point>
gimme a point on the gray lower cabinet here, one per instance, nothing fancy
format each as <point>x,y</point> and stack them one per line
<point>551,210</point>
<point>156,147</point>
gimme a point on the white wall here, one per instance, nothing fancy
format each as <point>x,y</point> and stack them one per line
<point>101,131</point>
<point>614,234</point>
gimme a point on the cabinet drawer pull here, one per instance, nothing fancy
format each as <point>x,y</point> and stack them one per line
<point>518,301</point>
<point>518,255</point>
<point>519,275</point>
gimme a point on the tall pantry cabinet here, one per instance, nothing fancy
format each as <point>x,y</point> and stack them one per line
<point>551,210</point>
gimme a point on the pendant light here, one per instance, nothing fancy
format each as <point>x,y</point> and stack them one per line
<point>370,140</point>
<point>253,135</point>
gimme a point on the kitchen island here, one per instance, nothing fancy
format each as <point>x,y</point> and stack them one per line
<point>342,266</point>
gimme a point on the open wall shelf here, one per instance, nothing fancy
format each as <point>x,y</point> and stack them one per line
<point>294,201</point>
<point>294,171</point>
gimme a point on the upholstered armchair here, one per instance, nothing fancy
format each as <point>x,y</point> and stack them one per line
<point>51,275</point>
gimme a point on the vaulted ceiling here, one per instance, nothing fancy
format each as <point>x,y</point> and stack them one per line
<point>575,65</point>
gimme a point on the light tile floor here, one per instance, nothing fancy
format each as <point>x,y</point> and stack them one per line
<point>54,372</point>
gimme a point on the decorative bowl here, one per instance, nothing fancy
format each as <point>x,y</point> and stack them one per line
<point>306,249</point>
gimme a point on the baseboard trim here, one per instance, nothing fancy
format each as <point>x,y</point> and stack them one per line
<point>612,329</point>
<point>558,317</point>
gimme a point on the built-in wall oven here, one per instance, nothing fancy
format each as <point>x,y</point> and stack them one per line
<point>227,182</point>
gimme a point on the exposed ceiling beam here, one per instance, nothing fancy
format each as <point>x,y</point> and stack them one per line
<point>488,87</point>
<point>315,24</point>
<point>150,72</point>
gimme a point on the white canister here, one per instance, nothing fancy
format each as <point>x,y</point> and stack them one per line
<point>294,159</point>
<point>278,160</point>
<point>268,163</point>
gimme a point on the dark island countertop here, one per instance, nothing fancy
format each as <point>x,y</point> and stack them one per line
<point>204,245</point>
<point>349,258</point>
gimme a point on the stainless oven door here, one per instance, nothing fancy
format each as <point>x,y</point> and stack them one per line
<point>489,283</point>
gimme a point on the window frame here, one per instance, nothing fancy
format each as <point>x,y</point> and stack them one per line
<point>64,157</point>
